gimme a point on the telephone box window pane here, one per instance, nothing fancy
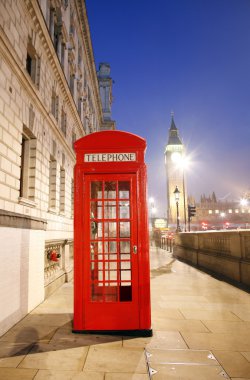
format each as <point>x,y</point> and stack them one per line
<point>96,189</point>
<point>124,210</point>
<point>126,283</point>
<point>99,229</point>
<point>124,229</point>
<point>111,293</point>
<point>97,292</point>
<point>125,292</point>
<point>110,246</point>
<point>124,189</point>
<point>100,248</point>
<point>125,275</point>
<point>111,265</point>
<point>110,210</point>
<point>125,246</point>
<point>111,275</point>
<point>125,256</point>
<point>110,190</point>
<point>126,265</point>
<point>110,229</point>
<point>95,250</point>
<point>96,210</point>
<point>95,229</point>
<point>110,257</point>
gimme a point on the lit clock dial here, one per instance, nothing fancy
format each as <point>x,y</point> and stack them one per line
<point>175,156</point>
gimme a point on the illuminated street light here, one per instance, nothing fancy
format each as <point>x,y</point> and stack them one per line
<point>151,200</point>
<point>244,202</point>
<point>182,162</point>
<point>152,211</point>
<point>177,198</point>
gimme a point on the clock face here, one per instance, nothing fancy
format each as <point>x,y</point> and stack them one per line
<point>175,156</point>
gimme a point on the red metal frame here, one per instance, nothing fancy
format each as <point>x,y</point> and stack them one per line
<point>121,313</point>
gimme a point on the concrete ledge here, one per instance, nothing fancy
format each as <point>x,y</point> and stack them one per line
<point>223,253</point>
<point>54,285</point>
<point>15,220</point>
<point>226,266</point>
<point>245,272</point>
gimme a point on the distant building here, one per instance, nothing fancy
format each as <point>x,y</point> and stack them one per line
<point>217,212</point>
<point>174,154</point>
<point>49,97</point>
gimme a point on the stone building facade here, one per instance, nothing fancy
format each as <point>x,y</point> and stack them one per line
<point>49,97</point>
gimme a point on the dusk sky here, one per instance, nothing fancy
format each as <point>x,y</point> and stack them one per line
<point>191,57</point>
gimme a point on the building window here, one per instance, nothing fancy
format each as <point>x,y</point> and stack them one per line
<point>79,56</point>
<point>236,211</point>
<point>62,56</point>
<point>72,21</point>
<point>216,211</point>
<point>28,157</point>
<point>73,138</point>
<point>79,107</point>
<point>230,211</point>
<point>52,182</point>
<point>51,22</point>
<point>210,211</point>
<point>54,105</point>
<point>72,84</point>
<point>33,64</point>
<point>64,122</point>
<point>62,190</point>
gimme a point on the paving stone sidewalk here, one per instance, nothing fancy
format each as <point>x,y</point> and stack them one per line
<point>201,332</point>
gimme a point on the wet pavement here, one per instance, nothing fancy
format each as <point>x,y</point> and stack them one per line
<point>201,330</point>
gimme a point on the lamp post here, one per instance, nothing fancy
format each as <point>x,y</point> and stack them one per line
<point>151,211</point>
<point>177,198</point>
<point>184,200</point>
<point>182,163</point>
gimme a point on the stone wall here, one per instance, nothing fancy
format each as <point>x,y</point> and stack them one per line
<point>49,97</point>
<point>226,253</point>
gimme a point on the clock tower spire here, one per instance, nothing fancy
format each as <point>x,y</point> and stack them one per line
<point>174,153</point>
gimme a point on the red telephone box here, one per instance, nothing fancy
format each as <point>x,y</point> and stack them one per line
<point>111,249</point>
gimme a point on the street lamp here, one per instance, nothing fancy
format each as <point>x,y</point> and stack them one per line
<point>152,211</point>
<point>177,198</point>
<point>182,163</point>
<point>243,202</point>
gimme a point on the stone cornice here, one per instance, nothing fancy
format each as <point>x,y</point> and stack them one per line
<point>89,49</point>
<point>15,64</point>
<point>41,28</point>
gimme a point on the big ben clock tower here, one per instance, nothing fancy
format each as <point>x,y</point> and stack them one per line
<point>174,154</point>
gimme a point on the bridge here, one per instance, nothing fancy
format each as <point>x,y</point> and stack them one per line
<point>225,253</point>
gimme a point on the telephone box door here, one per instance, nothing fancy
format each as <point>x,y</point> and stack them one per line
<point>111,267</point>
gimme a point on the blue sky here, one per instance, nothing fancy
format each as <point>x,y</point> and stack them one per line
<point>187,56</point>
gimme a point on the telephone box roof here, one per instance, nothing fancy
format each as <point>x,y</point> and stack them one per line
<point>110,140</point>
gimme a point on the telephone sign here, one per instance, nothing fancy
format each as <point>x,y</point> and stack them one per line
<point>109,157</point>
<point>111,250</point>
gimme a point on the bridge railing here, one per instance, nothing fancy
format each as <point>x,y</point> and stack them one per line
<point>224,252</point>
